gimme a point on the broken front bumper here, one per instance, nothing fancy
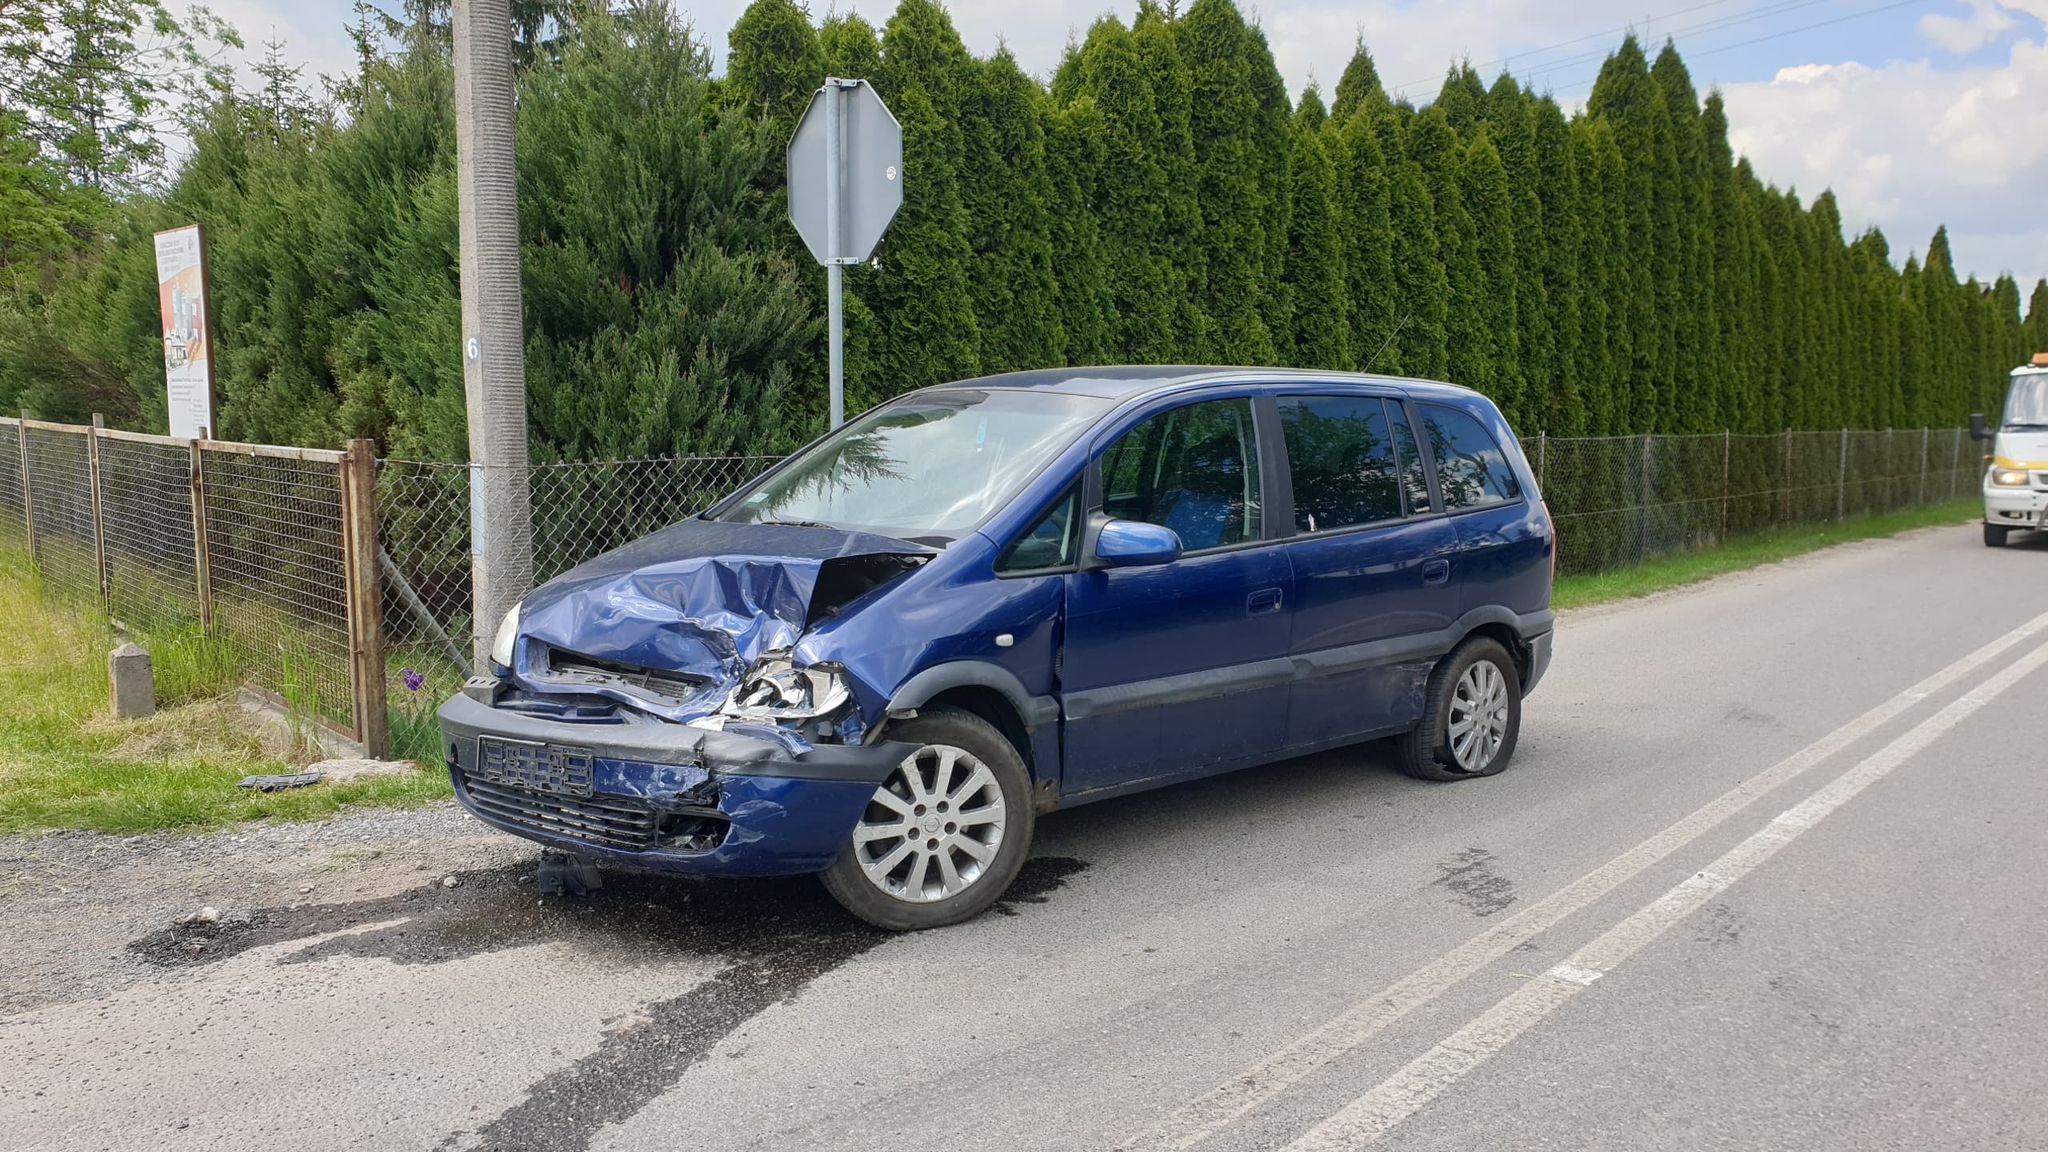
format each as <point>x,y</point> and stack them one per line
<point>660,796</point>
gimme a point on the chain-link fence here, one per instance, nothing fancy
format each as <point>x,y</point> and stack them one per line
<point>342,588</point>
<point>243,547</point>
<point>1619,500</point>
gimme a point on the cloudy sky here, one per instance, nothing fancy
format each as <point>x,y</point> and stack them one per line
<point>1916,112</point>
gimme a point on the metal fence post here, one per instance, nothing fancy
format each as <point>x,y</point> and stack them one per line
<point>1643,504</point>
<point>364,602</point>
<point>99,523</point>
<point>28,501</point>
<point>1785,488</point>
<point>202,575</point>
<point>1842,481</point>
<point>1921,496</point>
<point>1542,459</point>
<point>1955,466</point>
<point>1727,444</point>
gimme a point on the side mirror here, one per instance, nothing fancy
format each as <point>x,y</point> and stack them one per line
<point>1135,544</point>
<point>1978,429</point>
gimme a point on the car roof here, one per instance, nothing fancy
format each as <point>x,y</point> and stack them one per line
<point>1130,381</point>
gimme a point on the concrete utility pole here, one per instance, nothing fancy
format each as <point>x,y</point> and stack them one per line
<point>493,334</point>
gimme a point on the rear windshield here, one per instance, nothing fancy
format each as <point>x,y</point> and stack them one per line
<point>929,467</point>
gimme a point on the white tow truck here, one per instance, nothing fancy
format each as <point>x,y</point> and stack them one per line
<point>2016,484</point>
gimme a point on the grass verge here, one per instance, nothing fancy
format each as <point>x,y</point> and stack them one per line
<point>1667,572</point>
<point>64,763</point>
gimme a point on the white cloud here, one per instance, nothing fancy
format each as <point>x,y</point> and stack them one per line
<point>1910,146</point>
<point>1965,34</point>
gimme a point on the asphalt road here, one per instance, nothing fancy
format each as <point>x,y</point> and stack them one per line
<point>1768,872</point>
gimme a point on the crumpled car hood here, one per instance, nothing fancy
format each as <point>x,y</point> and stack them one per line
<point>707,598</point>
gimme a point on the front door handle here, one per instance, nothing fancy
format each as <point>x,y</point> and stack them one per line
<point>1436,571</point>
<point>1263,601</point>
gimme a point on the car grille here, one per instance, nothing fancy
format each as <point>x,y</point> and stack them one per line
<point>613,821</point>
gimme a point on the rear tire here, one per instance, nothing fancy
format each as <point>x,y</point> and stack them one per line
<point>1994,535</point>
<point>1478,689</point>
<point>945,834</point>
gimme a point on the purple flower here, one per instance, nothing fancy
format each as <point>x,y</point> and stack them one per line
<point>414,681</point>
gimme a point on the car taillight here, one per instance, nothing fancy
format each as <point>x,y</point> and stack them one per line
<point>1553,540</point>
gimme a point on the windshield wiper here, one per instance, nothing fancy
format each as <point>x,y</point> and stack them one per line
<point>799,524</point>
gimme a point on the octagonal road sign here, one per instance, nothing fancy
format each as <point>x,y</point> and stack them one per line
<point>869,164</point>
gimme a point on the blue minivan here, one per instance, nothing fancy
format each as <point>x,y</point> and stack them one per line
<point>979,602</point>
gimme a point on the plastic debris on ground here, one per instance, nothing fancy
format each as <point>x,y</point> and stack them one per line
<point>560,874</point>
<point>278,783</point>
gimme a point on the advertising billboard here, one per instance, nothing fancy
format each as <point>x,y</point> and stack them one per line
<point>188,344</point>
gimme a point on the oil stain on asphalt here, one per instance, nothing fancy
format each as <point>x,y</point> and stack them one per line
<point>778,936</point>
<point>1471,878</point>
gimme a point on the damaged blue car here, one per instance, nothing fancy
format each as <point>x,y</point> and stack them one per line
<point>886,657</point>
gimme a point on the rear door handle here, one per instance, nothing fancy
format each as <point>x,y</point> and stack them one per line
<point>1262,601</point>
<point>1436,571</point>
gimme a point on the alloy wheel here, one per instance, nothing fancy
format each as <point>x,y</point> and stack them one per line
<point>1479,716</point>
<point>933,827</point>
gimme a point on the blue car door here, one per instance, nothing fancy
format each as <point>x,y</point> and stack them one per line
<point>1179,668</point>
<point>1374,587</point>
<point>1502,551</point>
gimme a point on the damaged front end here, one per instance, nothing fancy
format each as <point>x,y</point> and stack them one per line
<point>652,709</point>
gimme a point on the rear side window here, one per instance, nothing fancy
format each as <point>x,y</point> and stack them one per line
<point>1471,469</point>
<point>1340,457</point>
<point>1194,469</point>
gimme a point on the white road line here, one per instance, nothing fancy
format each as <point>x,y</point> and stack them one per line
<point>1209,1114</point>
<point>1426,1077</point>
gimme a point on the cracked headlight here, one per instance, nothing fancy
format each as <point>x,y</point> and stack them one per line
<point>501,645</point>
<point>774,689</point>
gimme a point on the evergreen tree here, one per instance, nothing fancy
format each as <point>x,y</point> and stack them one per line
<point>1691,313</point>
<point>1132,195</point>
<point>774,62</point>
<point>1363,183</point>
<point>1235,286</point>
<point>1359,85</point>
<point>2037,320</point>
<point>1172,148</point>
<point>920,294</point>
<point>1483,188</point>
<point>1627,98</point>
<point>1555,377</point>
<point>1077,152</point>
<point>1314,278</point>
<point>1468,340</point>
<point>1007,193</point>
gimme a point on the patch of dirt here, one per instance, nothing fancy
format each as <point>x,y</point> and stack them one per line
<point>216,730</point>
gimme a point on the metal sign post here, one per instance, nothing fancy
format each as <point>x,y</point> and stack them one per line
<point>845,169</point>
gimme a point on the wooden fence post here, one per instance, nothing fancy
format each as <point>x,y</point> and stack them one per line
<point>365,604</point>
<point>1785,488</point>
<point>28,501</point>
<point>99,520</point>
<point>202,574</point>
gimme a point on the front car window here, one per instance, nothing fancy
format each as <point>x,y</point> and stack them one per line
<point>2026,402</point>
<point>1340,457</point>
<point>1471,469</point>
<point>1194,469</point>
<point>928,468</point>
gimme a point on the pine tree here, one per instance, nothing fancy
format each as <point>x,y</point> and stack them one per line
<point>1462,99</point>
<point>1313,275</point>
<point>1625,97</point>
<point>1691,313</point>
<point>1172,148</point>
<point>1511,126</point>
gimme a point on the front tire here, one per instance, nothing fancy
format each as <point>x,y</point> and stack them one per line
<point>945,834</point>
<point>1471,718</point>
<point>1994,535</point>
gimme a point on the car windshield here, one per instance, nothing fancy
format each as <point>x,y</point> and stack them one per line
<point>2026,402</point>
<point>929,467</point>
